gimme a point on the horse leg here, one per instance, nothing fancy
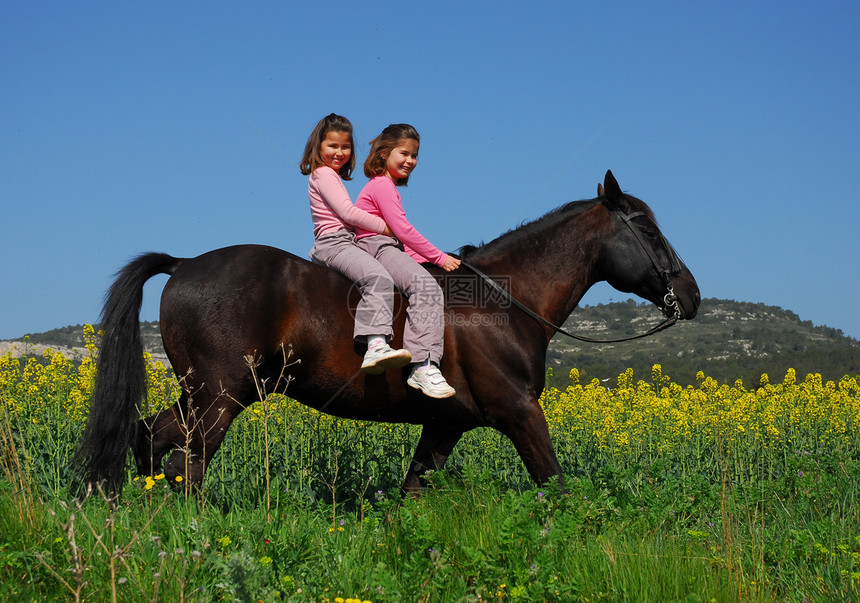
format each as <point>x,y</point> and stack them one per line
<point>434,446</point>
<point>528,431</point>
<point>189,431</point>
<point>201,430</point>
<point>157,435</point>
<point>189,461</point>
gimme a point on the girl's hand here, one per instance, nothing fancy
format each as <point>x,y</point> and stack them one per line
<point>451,263</point>
<point>387,232</point>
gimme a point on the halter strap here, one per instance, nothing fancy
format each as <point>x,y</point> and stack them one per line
<point>497,287</point>
<point>675,263</point>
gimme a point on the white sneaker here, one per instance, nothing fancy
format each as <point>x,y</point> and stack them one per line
<point>431,382</point>
<point>382,357</point>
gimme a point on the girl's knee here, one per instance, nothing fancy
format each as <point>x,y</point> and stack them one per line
<point>430,290</point>
<point>378,280</point>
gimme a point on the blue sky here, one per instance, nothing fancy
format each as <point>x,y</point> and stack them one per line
<point>177,127</point>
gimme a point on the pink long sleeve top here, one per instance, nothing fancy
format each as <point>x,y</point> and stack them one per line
<point>332,209</point>
<point>379,197</point>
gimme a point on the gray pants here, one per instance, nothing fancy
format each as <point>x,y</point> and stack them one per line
<point>374,312</point>
<point>424,334</point>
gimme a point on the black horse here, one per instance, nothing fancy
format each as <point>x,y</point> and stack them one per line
<point>250,301</point>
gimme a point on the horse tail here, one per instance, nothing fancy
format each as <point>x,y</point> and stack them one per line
<point>120,382</point>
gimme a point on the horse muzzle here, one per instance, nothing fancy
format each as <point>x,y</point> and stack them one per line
<point>683,305</point>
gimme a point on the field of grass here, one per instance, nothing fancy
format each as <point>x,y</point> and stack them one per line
<point>712,492</point>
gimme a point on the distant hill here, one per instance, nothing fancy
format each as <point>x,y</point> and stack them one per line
<point>73,337</point>
<point>728,340</point>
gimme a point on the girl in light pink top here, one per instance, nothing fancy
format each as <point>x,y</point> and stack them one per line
<point>393,155</point>
<point>328,160</point>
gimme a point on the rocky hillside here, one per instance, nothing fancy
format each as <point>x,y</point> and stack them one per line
<point>728,340</point>
<point>69,341</point>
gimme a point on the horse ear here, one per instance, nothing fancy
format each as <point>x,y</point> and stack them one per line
<point>613,191</point>
<point>600,191</point>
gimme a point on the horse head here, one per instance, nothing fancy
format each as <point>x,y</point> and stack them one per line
<point>638,259</point>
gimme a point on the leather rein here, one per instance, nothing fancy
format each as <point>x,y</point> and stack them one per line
<point>670,299</point>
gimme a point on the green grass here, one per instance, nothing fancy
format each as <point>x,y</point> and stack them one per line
<point>468,538</point>
<point>726,515</point>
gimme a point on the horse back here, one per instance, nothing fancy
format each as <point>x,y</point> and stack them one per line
<point>247,300</point>
<point>254,301</point>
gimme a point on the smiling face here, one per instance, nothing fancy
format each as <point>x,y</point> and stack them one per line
<point>402,159</point>
<point>336,150</point>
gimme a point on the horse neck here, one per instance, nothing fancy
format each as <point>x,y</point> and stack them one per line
<point>552,268</point>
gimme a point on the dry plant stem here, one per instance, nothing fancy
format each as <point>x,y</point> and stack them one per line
<point>78,567</point>
<point>25,496</point>
<point>332,486</point>
<point>113,551</point>
<point>726,515</point>
<point>184,581</point>
<point>157,583</point>
<point>149,410</point>
<point>77,570</point>
<point>252,363</point>
<point>189,422</point>
<point>361,501</point>
<point>104,539</point>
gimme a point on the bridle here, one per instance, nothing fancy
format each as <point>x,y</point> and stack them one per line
<point>670,300</point>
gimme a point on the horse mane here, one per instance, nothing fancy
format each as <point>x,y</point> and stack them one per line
<point>527,230</point>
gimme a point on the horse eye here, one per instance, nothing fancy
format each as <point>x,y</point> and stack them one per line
<point>649,231</point>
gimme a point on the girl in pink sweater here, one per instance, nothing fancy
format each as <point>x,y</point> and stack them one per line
<point>328,160</point>
<point>393,155</point>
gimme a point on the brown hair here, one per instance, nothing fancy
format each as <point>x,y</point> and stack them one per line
<point>383,144</point>
<point>311,160</point>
